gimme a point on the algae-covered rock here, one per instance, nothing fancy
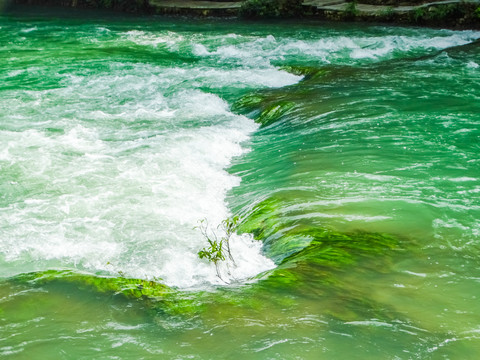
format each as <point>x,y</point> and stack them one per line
<point>131,288</point>
<point>308,72</point>
<point>317,272</point>
<point>290,237</point>
<point>274,112</point>
<point>311,267</point>
<point>311,273</point>
<point>263,110</point>
<point>335,249</point>
<point>248,103</point>
<point>154,295</point>
<point>269,106</point>
<point>260,221</point>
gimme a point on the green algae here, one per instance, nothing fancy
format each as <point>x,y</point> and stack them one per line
<point>274,112</point>
<point>270,106</point>
<point>332,249</point>
<point>154,295</point>
<point>248,103</point>
<point>289,240</point>
<point>310,256</point>
<point>260,220</point>
<point>308,72</point>
<point>264,110</point>
<point>318,271</point>
<point>130,288</point>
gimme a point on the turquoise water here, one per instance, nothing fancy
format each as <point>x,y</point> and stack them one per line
<point>349,154</point>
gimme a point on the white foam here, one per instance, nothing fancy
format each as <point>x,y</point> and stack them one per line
<point>262,51</point>
<point>28,30</point>
<point>111,194</point>
<point>14,73</point>
<point>463,179</point>
<point>473,65</point>
<point>169,39</point>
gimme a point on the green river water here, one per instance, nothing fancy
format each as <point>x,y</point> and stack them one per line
<point>350,154</point>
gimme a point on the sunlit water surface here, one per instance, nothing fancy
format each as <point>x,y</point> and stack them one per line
<point>117,136</point>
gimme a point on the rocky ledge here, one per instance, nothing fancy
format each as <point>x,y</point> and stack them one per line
<point>446,13</point>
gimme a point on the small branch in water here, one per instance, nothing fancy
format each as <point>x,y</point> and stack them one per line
<point>229,226</point>
<point>218,249</point>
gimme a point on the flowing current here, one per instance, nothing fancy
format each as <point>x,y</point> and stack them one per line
<point>119,136</point>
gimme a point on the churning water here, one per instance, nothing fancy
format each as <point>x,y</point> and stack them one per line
<point>358,198</point>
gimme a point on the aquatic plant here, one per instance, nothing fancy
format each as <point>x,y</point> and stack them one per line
<point>218,248</point>
<point>269,106</point>
<point>308,72</point>
<point>274,112</point>
<point>156,297</point>
<point>229,226</point>
<point>261,110</point>
<point>130,288</point>
<point>387,14</point>
<point>351,10</point>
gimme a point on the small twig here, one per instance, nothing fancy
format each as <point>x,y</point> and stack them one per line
<point>215,252</point>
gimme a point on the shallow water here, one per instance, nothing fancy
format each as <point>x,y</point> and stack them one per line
<point>358,201</point>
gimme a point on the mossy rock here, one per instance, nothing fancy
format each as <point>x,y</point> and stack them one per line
<point>264,111</point>
<point>309,72</point>
<point>289,237</point>
<point>248,104</point>
<point>335,249</point>
<point>155,296</point>
<point>270,106</point>
<point>317,272</point>
<point>260,220</point>
<point>130,288</point>
<point>274,112</point>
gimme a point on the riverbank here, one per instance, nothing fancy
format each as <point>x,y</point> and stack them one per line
<point>449,13</point>
<point>446,13</point>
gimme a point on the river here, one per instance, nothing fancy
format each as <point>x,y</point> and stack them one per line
<point>349,153</point>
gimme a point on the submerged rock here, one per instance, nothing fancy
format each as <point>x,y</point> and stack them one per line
<point>273,105</point>
<point>309,72</point>
<point>274,112</point>
<point>261,109</point>
<point>288,240</point>
<point>131,288</point>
